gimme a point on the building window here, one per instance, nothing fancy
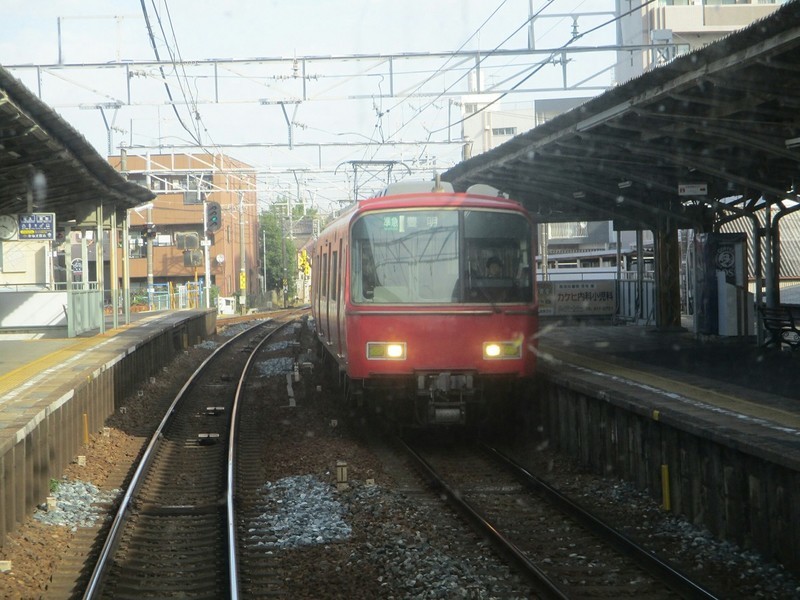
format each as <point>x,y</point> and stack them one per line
<point>138,179</point>
<point>137,248</point>
<point>568,230</point>
<point>162,239</point>
<point>197,186</point>
<point>504,131</point>
<point>194,197</point>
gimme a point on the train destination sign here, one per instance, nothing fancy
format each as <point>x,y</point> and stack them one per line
<point>37,226</point>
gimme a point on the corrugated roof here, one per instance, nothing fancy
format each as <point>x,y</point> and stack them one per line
<point>34,142</point>
<point>719,116</point>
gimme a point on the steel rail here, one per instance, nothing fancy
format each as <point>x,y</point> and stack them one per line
<point>233,545</point>
<point>540,581</point>
<point>123,512</point>
<point>652,564</point>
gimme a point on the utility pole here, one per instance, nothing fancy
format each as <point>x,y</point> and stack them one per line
<point>264,260</point>
<point>150,230</point>
<point>242,260</point>
<point>206,251</point>
<point>149,241</point>
<point>284,281</point>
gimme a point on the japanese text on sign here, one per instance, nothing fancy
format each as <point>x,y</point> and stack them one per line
<point>577,298</point>
<point>37,226</point>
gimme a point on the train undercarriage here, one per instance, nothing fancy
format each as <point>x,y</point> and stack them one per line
<point>432,399</point>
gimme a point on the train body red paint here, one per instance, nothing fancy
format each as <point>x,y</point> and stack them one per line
<point>409,304</point>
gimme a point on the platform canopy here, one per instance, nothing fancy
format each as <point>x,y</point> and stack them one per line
<point>44,158</point>
<point>720,122</point>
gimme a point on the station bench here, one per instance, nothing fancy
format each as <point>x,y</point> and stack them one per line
<point>782,324</point>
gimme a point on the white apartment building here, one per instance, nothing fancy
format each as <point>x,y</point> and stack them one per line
<point>646,38</point>
<point>665,29</point>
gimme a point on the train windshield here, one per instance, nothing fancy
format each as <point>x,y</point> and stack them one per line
<point>441,256</point>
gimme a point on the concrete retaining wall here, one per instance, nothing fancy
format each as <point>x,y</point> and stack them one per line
<point>52,438</point>
<point>742,492</point>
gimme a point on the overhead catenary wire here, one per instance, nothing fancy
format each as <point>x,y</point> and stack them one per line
<point>163,75</point>
<point>537,68</point>
<point>436,72</point>
<point>467,72</point>
<point>378,136</point>
<point>191,101</point>
<point>543,63</point>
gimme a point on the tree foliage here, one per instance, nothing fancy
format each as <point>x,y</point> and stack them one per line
<point>279,253</point>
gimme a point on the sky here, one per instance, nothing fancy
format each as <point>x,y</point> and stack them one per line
<point>237,105</point>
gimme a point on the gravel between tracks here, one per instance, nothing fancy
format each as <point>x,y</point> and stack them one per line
<point>394,545</point>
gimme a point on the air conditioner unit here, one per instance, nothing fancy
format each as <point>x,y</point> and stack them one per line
<point>661,36</point>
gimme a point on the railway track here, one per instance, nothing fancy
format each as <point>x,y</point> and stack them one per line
<point>175,532</point>
<point>563,549</point>
<point>299,534</point>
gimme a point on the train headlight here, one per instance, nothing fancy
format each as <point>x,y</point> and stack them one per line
<point>501,350</point>
<point>386,351</point>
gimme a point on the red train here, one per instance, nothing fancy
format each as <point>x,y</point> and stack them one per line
<point>427,301</point>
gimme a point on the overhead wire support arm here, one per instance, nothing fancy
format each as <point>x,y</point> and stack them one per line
<point>289,122</point>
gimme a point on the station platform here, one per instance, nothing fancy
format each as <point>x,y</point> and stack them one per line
<point>48,363</point>
<point>54,392</point>
<point>708,425</point>
<point>731,382</point>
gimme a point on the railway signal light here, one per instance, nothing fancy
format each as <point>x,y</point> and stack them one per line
<point>192,258</point>
<point>213,216</point>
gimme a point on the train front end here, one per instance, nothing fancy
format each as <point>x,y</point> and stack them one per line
<point>442,307</point>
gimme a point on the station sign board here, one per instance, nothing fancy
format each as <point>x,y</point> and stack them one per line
<point>37,226</point>
<point>692,189</point>
<point>577,298</point>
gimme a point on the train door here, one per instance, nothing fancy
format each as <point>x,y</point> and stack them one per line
<point>333,301</point>
<point>339,298</point>
<point>315,286</point>
<point>323,289</point>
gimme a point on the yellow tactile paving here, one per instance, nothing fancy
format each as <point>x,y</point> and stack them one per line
<point>16,377</point>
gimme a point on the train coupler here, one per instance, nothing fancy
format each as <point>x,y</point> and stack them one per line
<point>447,413</point>
<point>445,397</point>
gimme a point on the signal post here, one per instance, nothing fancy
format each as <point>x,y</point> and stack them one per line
<point>212,221</point>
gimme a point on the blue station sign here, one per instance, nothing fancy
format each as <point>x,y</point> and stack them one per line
<point>37,226</point>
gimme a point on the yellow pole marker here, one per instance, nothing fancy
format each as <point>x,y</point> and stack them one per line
<point>85,429</point>
<point>665,487</point>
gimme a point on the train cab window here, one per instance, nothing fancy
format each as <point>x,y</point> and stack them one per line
<point>402,257</point>
<point>497,258</point>
<point>441,256</point>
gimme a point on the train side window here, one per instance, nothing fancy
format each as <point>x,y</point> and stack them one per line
<point>324,287</point>
<point>335,276</point>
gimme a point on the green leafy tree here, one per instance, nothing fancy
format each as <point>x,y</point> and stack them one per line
<point>280,253</point>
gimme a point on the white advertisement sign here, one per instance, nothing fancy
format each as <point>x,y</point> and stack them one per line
<point>576,298</point>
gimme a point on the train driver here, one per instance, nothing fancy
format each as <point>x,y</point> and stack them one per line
<point>494,268</point>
